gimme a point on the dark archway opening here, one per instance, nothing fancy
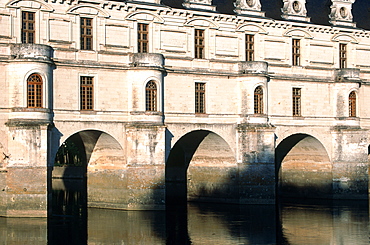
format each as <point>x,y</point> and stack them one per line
<point>201,167</point>
<point>303,168</point>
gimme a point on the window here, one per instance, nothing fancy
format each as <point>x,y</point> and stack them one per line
<point>86,93</point>
<point>142,38</point>
<point>342,55</point>
<point>151,96</point>
<point>199,44</point>
<point>200,90</point>
<point>249,47</point>
<point>296,52</point>
<point>352,104</point>
<point>34,91</point>
<point>86,34</point>
<point>258,100</point>
<point>296,102</point>
<point>28,27</point>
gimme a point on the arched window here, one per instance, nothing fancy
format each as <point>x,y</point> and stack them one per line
<point>352,104</point>
<point>34,91</point>
<point>151,96</point>
<point>258,100</point>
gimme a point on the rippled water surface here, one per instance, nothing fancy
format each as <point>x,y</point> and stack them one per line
<point>287,223</point>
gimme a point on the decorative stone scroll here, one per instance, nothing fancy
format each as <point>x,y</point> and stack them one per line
<point>341,13</point>
<point>295,10</point>
<point>199,4</point>
<point>248,7</point>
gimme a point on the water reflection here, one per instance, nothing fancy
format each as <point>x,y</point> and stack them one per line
<point>288,223</point>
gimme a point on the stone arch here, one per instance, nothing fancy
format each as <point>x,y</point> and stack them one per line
<point>303,168</point>
<point>296,32</point>
<point>344,38</point>
<point>33,4</point>
<point>253,28</point>
<point>144,15</point>
<point>88,10</point>
<point>202,22</point>
<point>201,166</point>
<point>98,149</point>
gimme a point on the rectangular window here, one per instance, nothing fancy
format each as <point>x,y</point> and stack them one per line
<point>28,27</point>
<point>86,93</point>
<point>342,55</point>
<point>86,34</point>
<point>142,38</point>
<point>296,102</point>
<point>200,100</point>
<point>199,44</point>
<point>296,52</point>
<point>249,47</point>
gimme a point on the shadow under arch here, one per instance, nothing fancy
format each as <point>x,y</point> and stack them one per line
<point>303,168</point>
<point>201,167</point>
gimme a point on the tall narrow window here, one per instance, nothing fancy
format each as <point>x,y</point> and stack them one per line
<point>296,52</point>
<point>342,55</point>
<point>352,104</point>
<point>296,102</point>
<point>200,100</point>
<point>151,96</point>
<point>86,33</point>
<point>142,38</point>
<point>199,44</point>
<point>258,100</point>
<point>34,91</point>
<point>86,93</point>
<point>249,47</point>
<point>28,27</point>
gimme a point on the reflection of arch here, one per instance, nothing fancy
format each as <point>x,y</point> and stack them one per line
<point>303,167</point>
<point>201,165</point>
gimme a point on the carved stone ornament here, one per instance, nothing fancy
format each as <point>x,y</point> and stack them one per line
<point>295,10</point>
<point>148,1</point>
<point>248,7</point>
<point>341,12</point>
<point>199,4</point>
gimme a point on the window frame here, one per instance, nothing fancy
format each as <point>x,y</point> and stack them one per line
<point>199,44</point>
<point>86,40</point>
<point>352,104</point>
<point>142,38</point>
<point>151,96</point>
<point>28,34</point>
<point>258,100</point>
<point>35,96</point>
<point>200,98</point>
<point>296,52</point>
<point>249,47</point>
<point>86,93</point>
<point>343,55</point>
<point>297,102</point>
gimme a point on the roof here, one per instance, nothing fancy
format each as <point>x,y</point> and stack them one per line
<point>318,10</point>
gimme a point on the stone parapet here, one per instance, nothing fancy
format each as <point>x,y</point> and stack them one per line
<point>253,67</point>
<point>347,74</point>
<point>147,60</point>
<point>31,51</point>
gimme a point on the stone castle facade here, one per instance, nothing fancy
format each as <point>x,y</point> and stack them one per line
<point>182,102</point>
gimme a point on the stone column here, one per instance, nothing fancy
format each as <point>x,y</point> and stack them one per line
<point>350,163</point>
<point>25,175</point>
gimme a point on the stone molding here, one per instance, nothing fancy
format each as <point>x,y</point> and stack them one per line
<point>341,13</point>
<point>295,10</point>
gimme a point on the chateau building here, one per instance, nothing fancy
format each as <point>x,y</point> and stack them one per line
<point>168,101</point>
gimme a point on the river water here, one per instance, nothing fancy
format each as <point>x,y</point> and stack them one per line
<point>288,222</point>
